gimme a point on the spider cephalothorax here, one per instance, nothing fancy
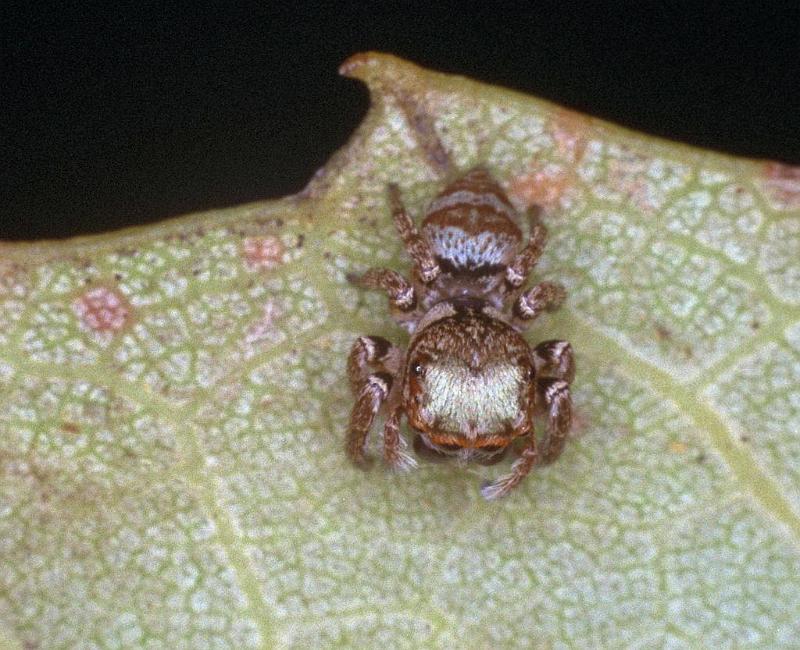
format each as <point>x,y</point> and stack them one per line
<point>468,382</point>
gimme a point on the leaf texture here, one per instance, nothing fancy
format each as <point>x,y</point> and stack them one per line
<point>173,405</point>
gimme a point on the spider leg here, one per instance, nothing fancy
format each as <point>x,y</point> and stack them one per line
<point>418,248</point>
<point>555,369</point>
<point>401,294</point>
<point>554,359</point>
<point>545,296</point>
<point>371,352</point>
<point>370,397</point>
<point>521,467</point>
<point>554,393</point>
<point>372,389</point>
<point>394,446</point>
<point>517,272</point>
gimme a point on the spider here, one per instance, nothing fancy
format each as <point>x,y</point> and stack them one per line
<point>468,382</point>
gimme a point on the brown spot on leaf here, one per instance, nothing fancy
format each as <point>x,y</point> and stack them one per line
<point>663,332</point>
<point>569,132</point>
<point>102,309</point>
<point>539,186</point>
<point>678,447</point>
<point>782,185</point>
<point>263,253</point>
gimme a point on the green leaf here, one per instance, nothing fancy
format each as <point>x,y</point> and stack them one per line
<point>173,405</point>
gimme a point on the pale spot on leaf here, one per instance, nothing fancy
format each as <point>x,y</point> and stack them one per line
<point>263,329</point>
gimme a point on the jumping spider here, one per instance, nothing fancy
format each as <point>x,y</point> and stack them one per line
<point>468,382</point>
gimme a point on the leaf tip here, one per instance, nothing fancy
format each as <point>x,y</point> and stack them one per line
<point>353,65</point>
<point>371,66</point>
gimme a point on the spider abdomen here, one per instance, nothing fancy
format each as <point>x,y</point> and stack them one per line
<point>471,227</point>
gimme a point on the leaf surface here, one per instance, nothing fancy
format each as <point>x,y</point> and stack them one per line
<point>173,405</point>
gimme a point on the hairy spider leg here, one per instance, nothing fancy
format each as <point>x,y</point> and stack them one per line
<point>555,368</point>
<point>545,296</point>
<point>418,248</point>
<point>401,294</point>
<point>372,390</point>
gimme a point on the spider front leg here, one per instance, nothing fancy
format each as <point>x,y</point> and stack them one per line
<point>417,246</point>
<point>555,369</point>
<point>372,391</point>
<point>527,460</point>
<point>517,272</point>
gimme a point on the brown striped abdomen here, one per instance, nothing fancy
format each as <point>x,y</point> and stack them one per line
<point>472,226</point>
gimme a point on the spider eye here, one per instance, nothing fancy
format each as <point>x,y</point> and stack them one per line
<point>417,369</point>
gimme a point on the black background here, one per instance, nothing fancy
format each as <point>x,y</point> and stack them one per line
<point>115,116</point>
